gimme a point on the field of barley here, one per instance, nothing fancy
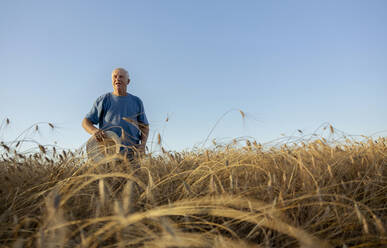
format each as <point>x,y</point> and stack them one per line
<point>308,193</point>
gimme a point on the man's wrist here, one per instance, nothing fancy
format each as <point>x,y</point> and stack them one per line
<point>95,130</point>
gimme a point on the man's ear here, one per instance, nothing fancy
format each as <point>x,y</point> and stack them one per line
<point>128,81</point>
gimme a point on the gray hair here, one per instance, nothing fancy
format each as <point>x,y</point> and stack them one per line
<point>122,69</point>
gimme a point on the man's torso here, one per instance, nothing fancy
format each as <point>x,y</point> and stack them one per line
<point>120,114</point>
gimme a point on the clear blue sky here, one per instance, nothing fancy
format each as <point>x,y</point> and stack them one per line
<point>287,64</point>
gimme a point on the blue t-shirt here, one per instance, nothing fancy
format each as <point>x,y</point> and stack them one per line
<point>109,112</point>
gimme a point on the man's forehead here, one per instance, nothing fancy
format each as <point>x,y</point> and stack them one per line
<point>118,71</point>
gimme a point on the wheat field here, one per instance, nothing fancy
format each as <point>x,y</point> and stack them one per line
<point>312,193</point>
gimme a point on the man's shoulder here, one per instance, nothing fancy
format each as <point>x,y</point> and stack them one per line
<point>104,96</point>
<point>133,97</point>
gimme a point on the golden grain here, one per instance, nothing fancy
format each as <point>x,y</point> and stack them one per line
<point>42,149</point>
<point>331,129</point>
<point>5,147</point>
<point>312,194</point>
<point>242,114</point>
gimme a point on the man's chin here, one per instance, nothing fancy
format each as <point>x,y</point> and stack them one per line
<point>119,87</point>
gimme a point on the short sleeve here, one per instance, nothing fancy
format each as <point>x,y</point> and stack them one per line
<point>96,111</point>
<point>141,115</point>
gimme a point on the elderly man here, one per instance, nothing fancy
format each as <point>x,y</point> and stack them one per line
<point>120,112</point>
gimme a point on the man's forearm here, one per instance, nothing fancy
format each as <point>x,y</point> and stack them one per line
<point>89,127</point>
<point>144,133</point>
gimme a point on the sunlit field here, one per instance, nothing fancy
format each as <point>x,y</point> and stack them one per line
<point>308,191</point>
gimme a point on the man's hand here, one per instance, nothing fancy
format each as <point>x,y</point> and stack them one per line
<point>99,135</point>
<point>144,137</point>
<point>141,149</point>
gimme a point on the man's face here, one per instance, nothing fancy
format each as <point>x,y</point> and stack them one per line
<point>120,80</point>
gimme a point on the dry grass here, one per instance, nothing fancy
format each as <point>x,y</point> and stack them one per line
<point>306,195</point>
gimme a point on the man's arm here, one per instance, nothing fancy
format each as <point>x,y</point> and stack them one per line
<point>144,135</point>
<point>91,129</point>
